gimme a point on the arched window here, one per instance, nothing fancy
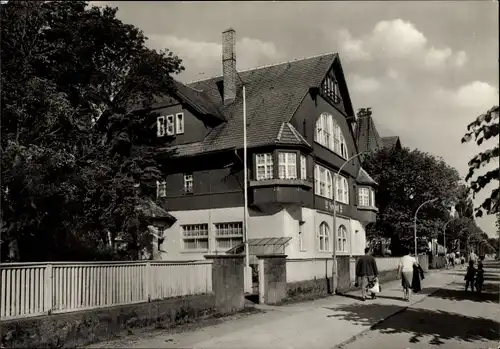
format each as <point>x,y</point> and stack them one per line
<point>323,182</point>
<point>342,190</point>
<point>342,239</point>
<point>329,134</point>
<point>324,237</point>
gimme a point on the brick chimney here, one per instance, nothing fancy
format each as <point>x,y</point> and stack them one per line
<point>229,65</point>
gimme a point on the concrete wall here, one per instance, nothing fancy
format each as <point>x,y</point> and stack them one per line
<point>272,279</point>
<point>228,282</point>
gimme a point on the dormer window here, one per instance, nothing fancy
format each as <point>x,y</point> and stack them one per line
<point>179,123</point>
<point>170,125</point>
<point>169,121</point>
<point>161,189</point>
<point>160,126</point>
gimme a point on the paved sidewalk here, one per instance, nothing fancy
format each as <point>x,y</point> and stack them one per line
<point>313,324</point>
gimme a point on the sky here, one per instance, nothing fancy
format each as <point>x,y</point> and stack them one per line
<point>427,69</point>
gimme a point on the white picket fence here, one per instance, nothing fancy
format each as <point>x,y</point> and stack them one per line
<point>31,289</point>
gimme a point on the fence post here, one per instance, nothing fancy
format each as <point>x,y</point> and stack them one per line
<point>47,290</point>
<point>147,281</point>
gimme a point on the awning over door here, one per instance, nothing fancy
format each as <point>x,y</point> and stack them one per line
<point>262,246</point>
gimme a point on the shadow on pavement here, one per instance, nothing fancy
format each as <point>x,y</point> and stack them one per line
<point>440,325</point>
<point>490,293</point>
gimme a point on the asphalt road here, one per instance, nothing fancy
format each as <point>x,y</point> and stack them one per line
<point>448,318</point>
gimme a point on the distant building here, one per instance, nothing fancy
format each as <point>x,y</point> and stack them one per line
<point>367,136</point>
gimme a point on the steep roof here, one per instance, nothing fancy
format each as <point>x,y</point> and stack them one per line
<point>273,94</point>
<point>390,142</point>
<point>152,210</point>
<point>364,178</point>
<point>367,136</point>
<point>197,100</point>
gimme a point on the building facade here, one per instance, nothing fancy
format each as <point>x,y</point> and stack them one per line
<point>299,134</point>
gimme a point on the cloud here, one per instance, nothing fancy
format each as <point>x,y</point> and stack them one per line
<point>350,47</point>
<point>204,59</point>
<point>398,41</point>
<point>364,85</point>
<point>477,95</point>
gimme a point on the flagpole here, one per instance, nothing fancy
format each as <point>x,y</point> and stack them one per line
<point>245,180</point>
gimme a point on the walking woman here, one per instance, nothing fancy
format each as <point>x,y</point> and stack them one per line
<point>405,272</point>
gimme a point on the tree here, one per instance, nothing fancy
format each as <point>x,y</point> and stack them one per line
<point>406,180</point>
<point>484,128</point>
<point>73,145</point>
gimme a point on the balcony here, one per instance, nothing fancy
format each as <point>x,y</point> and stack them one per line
<point>272,192</point>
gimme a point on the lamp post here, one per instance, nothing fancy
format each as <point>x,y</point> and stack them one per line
<point>444,233</point>
<point>334,243</point>
<point>415,222</point>
<point>247,271</point>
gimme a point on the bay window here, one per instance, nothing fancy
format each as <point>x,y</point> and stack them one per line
<point>264,166</point>
<point>303,167</point>
<point>364,197</point>
<point>287,165</point>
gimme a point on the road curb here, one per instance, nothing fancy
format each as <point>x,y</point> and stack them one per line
<point>404,308</point>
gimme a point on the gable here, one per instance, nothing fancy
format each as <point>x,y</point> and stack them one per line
<point>334,89</point>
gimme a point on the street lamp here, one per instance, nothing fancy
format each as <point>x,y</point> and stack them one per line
<point>334,187</point>
<point>444,233</point>
<point>415,222</point>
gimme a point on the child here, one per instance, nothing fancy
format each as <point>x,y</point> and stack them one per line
<point>479,277</point>
<point>469,276</point>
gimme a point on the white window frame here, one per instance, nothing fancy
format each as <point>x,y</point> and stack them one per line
<point>303,167</point>
<point>342,239</point>
<point>329,134</point>
<point>323,183</point>
<point>161,189</point>
<point>264,161</point>
<point>228,231</point>
<point>169,125</point>
<point>342,186</point>
<point>179,123</point>
<point>160,126</point>
<point>364,197</point>
<point>197,233</point>
<point>188,182</point>
<point>287,165</point>
<point>302,247</point>
<point>372,197</point>
<point>324,235</point>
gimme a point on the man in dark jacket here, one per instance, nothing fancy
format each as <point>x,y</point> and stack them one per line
<point>366,272</point>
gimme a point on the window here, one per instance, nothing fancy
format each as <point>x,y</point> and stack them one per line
<point>160,126</point>
<point>323,182</point>
<point>169,125</point>
<point>342,190</point>
<point>188,183</point>
<point>195,236</point>
<point>301,241</point>
<point>372,194</point>
<point>329,134</point>
<point>287,165</point>
<point>324,237</point>
<point>228,235</point>
<point>364,197</point>
<point>342,239</point>
<point>179,123</point>
<point>161,237</point>
<point>303,167</point>
<point>331,89</point>
<point>264,166</point>
<point>161,189</point>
